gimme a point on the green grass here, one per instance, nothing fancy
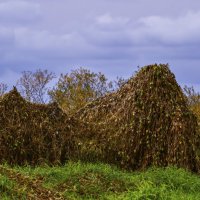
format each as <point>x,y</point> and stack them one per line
<point>100,181</point>
<point>9,189</point>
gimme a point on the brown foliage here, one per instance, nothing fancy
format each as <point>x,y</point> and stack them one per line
<point>147,122</point>
<point>33,187</point>
<point>193,99</point>
<point>32,133</point>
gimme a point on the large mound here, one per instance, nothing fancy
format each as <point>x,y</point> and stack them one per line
<point>33,133</point>
<point>147,122</point>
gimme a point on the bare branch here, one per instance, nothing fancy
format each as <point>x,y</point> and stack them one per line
<point>33,85</point>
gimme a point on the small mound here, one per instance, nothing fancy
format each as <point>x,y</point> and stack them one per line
<point>147,122</point>
<point>33,133</point>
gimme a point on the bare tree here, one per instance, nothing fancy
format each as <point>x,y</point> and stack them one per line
<point>193,97</point>
<point>3,89</point>
<point>119,82</point>
<point>34,85</point>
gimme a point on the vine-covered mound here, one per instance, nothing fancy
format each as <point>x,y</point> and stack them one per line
<point>146,123</point>
<point>33,133</point>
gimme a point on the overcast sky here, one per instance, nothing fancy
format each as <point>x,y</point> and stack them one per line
<point>111,36</point>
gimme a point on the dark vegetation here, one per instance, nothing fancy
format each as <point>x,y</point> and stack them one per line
<point>145,122</point>
<point>31,133</point>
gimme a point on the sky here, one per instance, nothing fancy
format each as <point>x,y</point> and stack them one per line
<point>111,36</point>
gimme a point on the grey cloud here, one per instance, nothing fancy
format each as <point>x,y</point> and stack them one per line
<point>109,37</point>
<point>109,23</point>
<point>46,44</point>
<point>19,11</point>
<point>176,31</point>
<point>6,37</point>
<point>152,30</point>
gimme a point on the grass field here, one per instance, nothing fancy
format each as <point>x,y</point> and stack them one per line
<point>96,181</point>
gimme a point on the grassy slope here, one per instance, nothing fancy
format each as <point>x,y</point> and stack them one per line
<point>99,181</point>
